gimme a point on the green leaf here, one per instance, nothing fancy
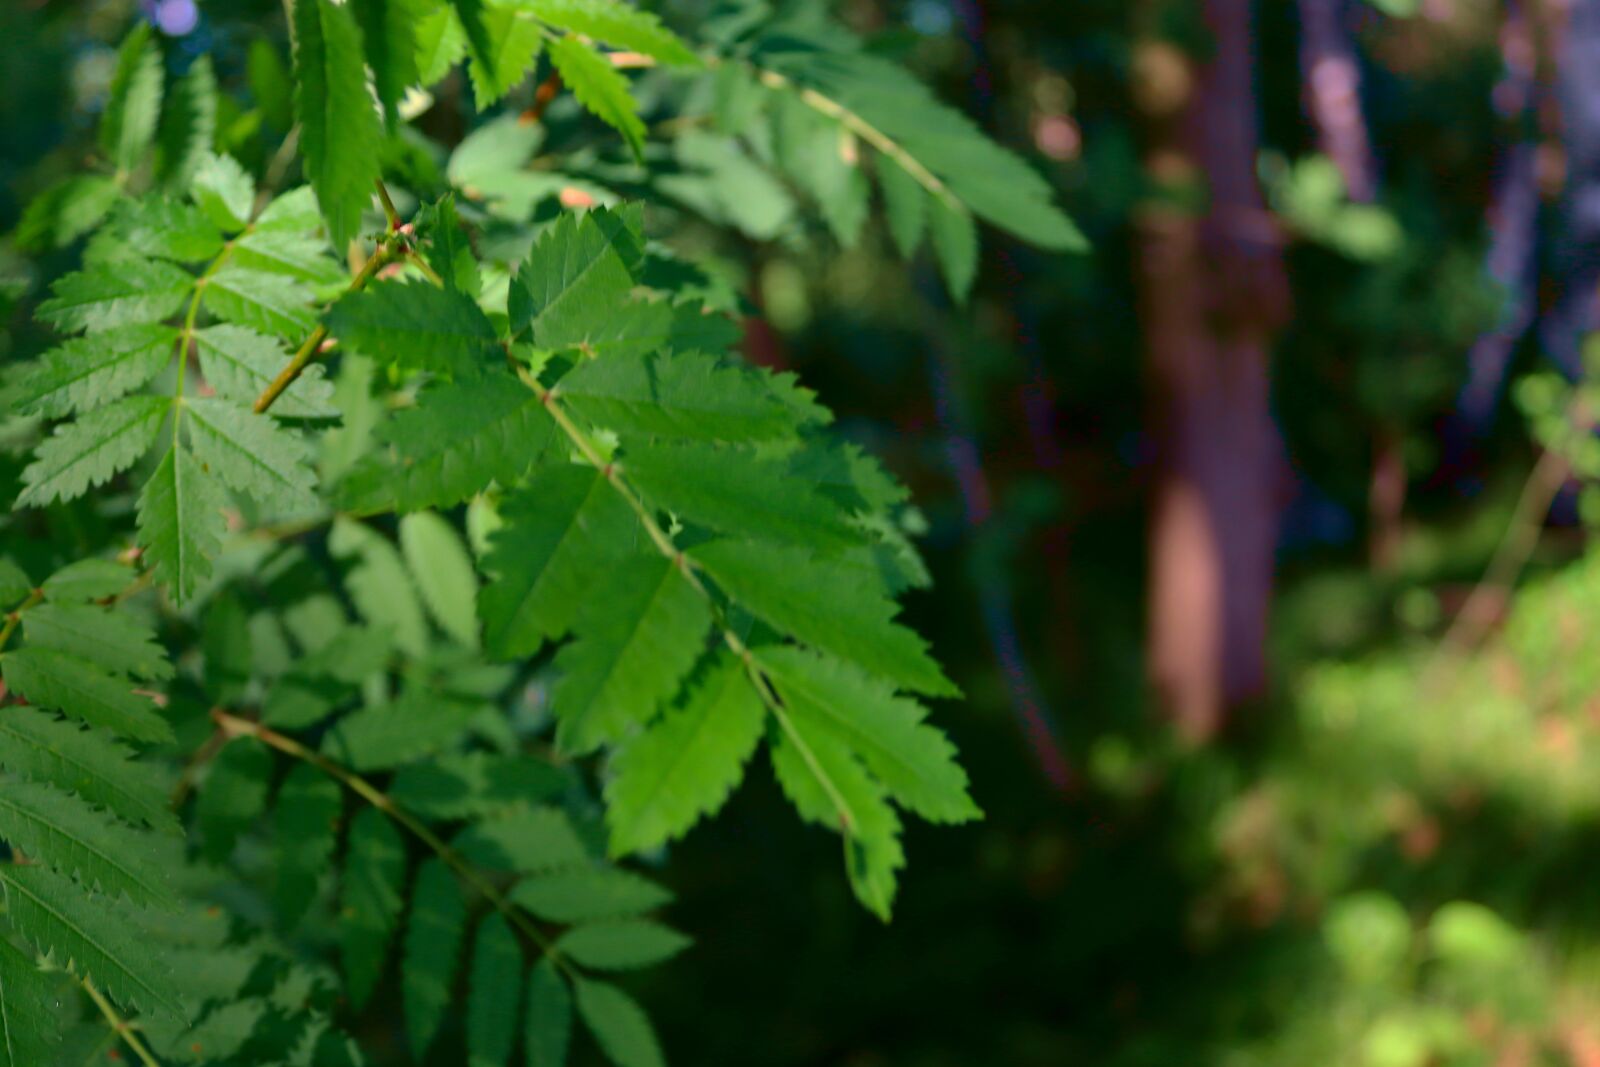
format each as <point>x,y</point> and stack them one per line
<point>834,604</point>
<point>90,939</point>
<point>135,290</point>
<point>587,895</point>
<point>914,760</point>
<point>905,205</point>
<point>619,1025</point>
<point>165,228</point>
<point>382,736</point>
<point>415,326</point>
<point>224,190</point>
<point>28,1025</point>
<point>432,951</point>
<point>252,454</point>
<point>995,184</point>
<point>445,243</point>
<point>599,88</point>
<point>87,579</point>
<point>749,496</point>
<point>88,372</point>
<point>68,836</point>
<point>389,37</point>
<point>525,840</point>
<point>92,450</point>
<point>60,682</point>
<point>128,124</point>
<point>466,785</point>
<point>637,636</point>
<point>340,134</point>
<point>181,522</point>
<point>261,300</point>
<point>305,827</point>
<point>683,766</point>
<point>459,439</point>
<point>822,158</point>
<point>494,993</point>
<point>270,84</point>
<point>38,746</point>
<point>374,877</point>
<point>688,395</point>
<point>441,44</point>
<point>955,243</point>
<point>566,526</point>
<point>579,270</point>
<point>66,211</point>
<point>621,946</point>
<point>378,584</point>
<point>829,787</point>
<point>114,641</point>
<point>548,1029</point>
<point>239,363</point>
<point>232,797</point>
<point>442,569</point>
<point>473,24</point>
<point>616,25</point>
<point>514,44</point>
<point>188,125</point>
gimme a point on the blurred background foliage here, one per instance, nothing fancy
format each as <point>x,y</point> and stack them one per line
<point>1384,859</point>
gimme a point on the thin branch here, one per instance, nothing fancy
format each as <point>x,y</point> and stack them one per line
<point>389,211</point>
<point>386,253</point>
<point>1477,614</point>
<point>15,616</point>
<point>235,726</point>
<point>120,1026</point>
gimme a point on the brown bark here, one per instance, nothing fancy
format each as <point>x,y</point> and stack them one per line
<point>1213,293</point>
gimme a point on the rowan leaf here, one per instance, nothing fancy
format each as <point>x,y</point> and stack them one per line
<point>690,395</point>
<point>600,89</point>
<point>113,640</point>
<point>619,1025</point>
<point>128,124</point>
<point>513,48</point>
<point>433,938</point>
<point>90,939</point>
<point>624,945</point>
<point>835,604</point>
<point>637,636</point>
<point>28,1028</point>
<point>682,768</point>
<point>340,134</point>
<point>548,1028</point>
<point>913,760</point>
<point>586,895</point>
<point>374,877</point>
<point>36,745</point>
<point>305,823</point>
<point>188,124</point>
<point>66,835</point>
<point>443,572</point>
<point>181,522</point>
<point>389,38</point>
<point>617,25</point>
<point>494,993</point>
<point>261,300</point>
<point>579,270</point>
<point>564,527</point>
<point>251,454</point>
<point>92,450</point>
<point>416,326</point>
<point>88,372</point>
<point>460,438</point>
<point>134,291</point>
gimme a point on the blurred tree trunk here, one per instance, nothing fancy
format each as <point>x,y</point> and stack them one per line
<point>1213,294</point>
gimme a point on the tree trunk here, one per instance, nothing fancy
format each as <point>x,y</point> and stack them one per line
<point>1213,293</point>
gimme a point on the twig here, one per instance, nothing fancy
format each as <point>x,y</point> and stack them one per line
<point>389,211</point>
<point>232,726</point>
<point>119,1025</point>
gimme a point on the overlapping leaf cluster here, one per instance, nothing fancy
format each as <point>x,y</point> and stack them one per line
<point>542,512</point>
